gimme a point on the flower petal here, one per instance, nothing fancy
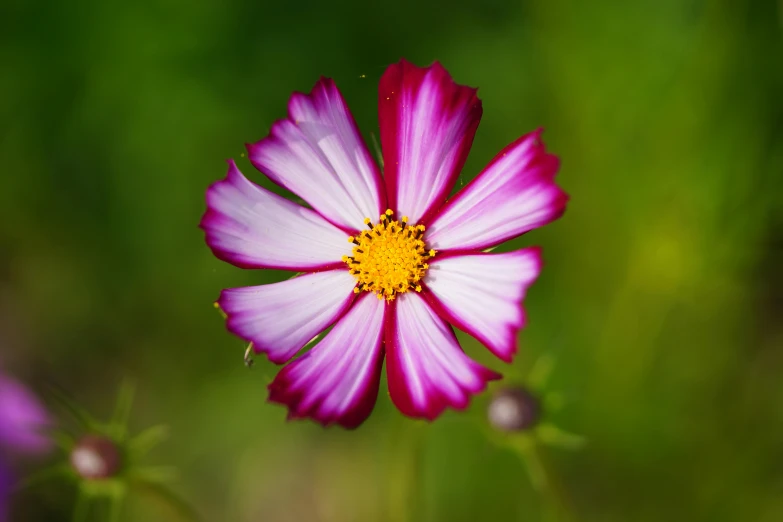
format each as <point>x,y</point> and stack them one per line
<point>251,227</point>
<point>280,318</point>
<point>427,127</point>
<point>318,154</point>
<point>514,194</point>
<point>427,369</point>
<point>481,294</point>
<point>23,420</point>
<point>337,381</point>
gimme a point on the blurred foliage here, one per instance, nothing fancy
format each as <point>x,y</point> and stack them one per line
<point>661,297</point>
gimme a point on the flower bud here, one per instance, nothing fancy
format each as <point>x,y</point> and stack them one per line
<point>514,409</point>
<point>95,457</point>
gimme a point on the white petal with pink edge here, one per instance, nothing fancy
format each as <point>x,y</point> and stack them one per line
<point>427,126</point>
<point>514,194</point>
<point>337,381</point>
<point>427,369</point>
<point>251,227</point>
<point>318,154</point>
<point>280,318</point>
<point>481,294</point>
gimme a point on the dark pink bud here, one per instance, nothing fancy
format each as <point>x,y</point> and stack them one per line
<point>95,457</point>
<point>514,409</point>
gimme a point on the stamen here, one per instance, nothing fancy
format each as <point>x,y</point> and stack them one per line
<point>390,258</point>
<point>249,356</point>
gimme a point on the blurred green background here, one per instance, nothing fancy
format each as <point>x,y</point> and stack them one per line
<point>661,299</point>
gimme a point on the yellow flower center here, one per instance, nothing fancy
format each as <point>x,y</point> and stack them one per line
<point>390,258</point>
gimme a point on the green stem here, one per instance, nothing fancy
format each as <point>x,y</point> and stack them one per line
<point>415,480</point>
<point>405,473</point>
<point>560,500</point>
<point>162,493</point>
<point>546,481</point>
<point>80,507</point>
<point>115,507</point>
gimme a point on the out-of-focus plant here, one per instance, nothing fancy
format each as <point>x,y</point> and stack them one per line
<point>105,461</point>
<point>521,417</point>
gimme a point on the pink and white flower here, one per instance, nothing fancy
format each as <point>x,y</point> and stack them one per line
<point>396,236</point>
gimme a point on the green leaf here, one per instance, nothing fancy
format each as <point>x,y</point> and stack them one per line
<point>118,426</point>
<point>142,443</point>
<point>552,435</point>
<point>44,475</point>
<point>183,510</point>
<point>157,474</point>
<point>540,372</point>
<point>85,420</point>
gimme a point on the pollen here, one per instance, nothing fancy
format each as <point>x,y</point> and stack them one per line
<point>389,258</point>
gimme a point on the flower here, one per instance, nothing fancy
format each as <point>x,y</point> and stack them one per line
<point>395,237</point>
<point>22,423</point>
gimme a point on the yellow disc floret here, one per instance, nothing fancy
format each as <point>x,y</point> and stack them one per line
<point>390,258</point>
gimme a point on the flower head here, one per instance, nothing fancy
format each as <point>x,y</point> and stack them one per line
<point>387,259</point>
<point>22,423</point>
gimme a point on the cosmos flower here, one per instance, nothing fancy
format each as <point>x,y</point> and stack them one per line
<point>22,421</point>
<point>385,258</point>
